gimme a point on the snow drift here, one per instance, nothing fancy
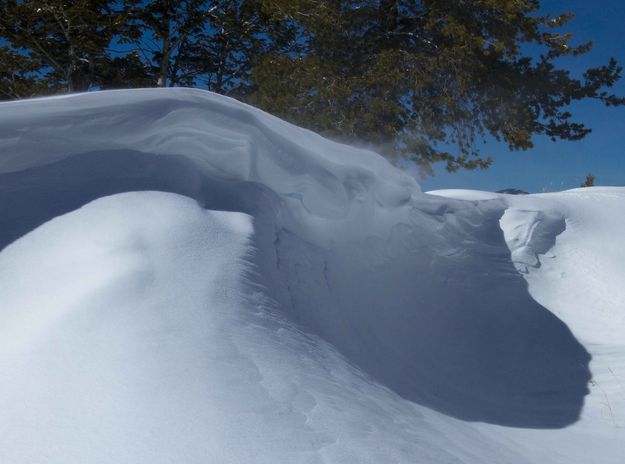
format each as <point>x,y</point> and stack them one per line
<point>267,295</point>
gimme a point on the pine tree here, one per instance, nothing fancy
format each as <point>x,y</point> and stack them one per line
<point>161,30</point>
<point>59,44</point>
<point>125,72</point>
<point>222,56</point>
<point>18,76</point>
<point>417,78</point>
<point>203,43</point>
<point>589,181</point>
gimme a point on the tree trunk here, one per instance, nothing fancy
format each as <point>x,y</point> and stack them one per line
<point>162,77</point>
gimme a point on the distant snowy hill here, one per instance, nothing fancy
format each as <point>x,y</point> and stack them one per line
<point>184,278</point>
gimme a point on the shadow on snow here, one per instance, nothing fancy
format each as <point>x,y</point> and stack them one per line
<point>454,331</point>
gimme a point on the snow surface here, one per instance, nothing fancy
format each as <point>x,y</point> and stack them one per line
<point>184,278</point>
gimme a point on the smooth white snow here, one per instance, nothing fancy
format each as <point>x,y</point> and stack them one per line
<point>290,299</point>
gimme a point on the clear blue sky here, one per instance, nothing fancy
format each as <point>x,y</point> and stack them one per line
<point>553,166</point>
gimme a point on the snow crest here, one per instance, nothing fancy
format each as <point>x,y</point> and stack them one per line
<point>289,299</point>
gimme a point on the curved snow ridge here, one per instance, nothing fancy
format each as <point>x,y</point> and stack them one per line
<point>222,137</point>
<point>358,321</point>
<point>345,244</point>
<point>581,281</point>
<point>129,333</point>
<point>569,248</point>
<point>530,234</point>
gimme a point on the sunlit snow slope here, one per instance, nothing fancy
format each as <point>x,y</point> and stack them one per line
<point>184,278</point>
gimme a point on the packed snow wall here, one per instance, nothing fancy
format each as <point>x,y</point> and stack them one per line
<point>419,292</point>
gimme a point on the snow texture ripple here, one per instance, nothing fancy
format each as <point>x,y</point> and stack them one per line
<point>184,278</point>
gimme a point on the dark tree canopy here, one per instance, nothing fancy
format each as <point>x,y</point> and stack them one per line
<point>18,76</point>
<point>62,45</point>
<point>589,181</point>
<point>419,80</point>
<point>413,77</point>
<point>55,44</point>
<point>204,43</point>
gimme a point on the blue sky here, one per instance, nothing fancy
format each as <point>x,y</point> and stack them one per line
<point>553,166</point>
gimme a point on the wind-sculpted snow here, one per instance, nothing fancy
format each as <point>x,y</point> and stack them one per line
<point>344,317</point>
<point>220,136</point>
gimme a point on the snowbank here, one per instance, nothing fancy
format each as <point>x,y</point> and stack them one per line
<point>315,307</point>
